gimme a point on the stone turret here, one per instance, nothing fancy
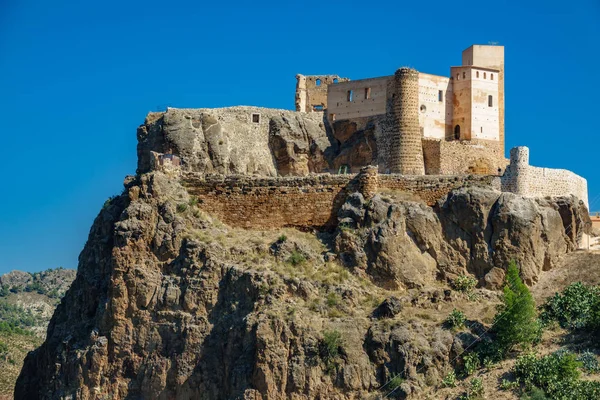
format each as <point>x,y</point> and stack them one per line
<point>519,163</point>
<point>406,155</point>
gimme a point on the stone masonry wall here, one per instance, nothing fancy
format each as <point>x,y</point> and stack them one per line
<point>481,157</point>
<point>306,202</point>
<point>523,179</point>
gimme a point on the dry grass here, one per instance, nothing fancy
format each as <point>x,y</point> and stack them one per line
<point>10,365</point>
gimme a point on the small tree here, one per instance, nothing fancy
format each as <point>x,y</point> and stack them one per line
<point>516,320</point>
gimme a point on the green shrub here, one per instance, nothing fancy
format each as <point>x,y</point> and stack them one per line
<point>108,201</point>
<point>193,201</point>
<point>577,307</point>
<point>551,373</point>
<point>181,207</point>
<point>15,319</point>
<point>296,258</point>
<point>330,347</point>
<point>449,380</point>
<point>3,348</point>
<point>475,389</point>
<point>516,320</point>
<point>535,394</point>
<point>394,383</point>
<point>333,299</point>
<point>456,319</point>
<point>508,385</point>
<point>464,283</point>
<point>589,362</point>
<point>282,238</point>
<point>471,363</point>
<point>4,291</point>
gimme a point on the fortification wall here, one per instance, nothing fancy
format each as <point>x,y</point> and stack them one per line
<point>306,202</point>
<point>481,157</point>
<point>523,179</point>
<point>435,106</point>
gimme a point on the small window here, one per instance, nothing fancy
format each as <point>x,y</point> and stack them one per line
<point>332,117</point>
<point>481,129</point>
<point>457,76</point>
<point>423,108</point>
<point>318,107</point>
<point>256,118</point>
<point>490,101</point>
<point>464,74</point>
<point>457,132</point>
<point>350,95</point>
<point>492,76</point>
<point>367,93</point>
<point>335,80</point>
<point>477,74</point>
<point>318,83</point>
<point>484,75</point>
<point>440,95</point>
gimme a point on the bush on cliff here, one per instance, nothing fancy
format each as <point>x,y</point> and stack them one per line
<point>577,307</point>
<point>516,321</point>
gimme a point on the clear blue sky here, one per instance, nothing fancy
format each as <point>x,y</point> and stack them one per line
<point>78,77</point>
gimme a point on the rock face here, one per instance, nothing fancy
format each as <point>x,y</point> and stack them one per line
<point>238,140</point>
<point>475,230</point>
<point>170,304</point>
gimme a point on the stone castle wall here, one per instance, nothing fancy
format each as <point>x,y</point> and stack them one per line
<point>521,178</point>
<point>481,157</point>
<point>306,202</point>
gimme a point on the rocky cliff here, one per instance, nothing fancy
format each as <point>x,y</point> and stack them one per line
<point>171,303</point>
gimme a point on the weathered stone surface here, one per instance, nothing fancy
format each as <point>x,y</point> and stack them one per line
<point>389,308</point>
<point>238,140</point>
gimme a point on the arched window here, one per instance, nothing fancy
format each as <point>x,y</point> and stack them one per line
<point>492,76</point>
<point>318,82</point>
<point>484,75</point>
<point>457,76</point>
<point>335,80</point>
<point>477,74</point>
<point>457,132</point>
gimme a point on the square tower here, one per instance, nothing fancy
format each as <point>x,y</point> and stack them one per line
<point>490,56</point>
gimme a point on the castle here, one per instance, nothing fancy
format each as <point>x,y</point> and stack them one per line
<point>419,132</point>
<point>436,125</point>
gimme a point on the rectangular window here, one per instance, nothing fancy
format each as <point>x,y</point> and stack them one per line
<point>367,93</point>
<point>256,118</point>
<point>440,95</point>
<point>350,95</point>
<point>332,117</point>
<point>481,129</point>
<point>464,75</point>
<point>490,101</point>
<point>318,107</point>
<point>477,74</point>
<point>492,76</point>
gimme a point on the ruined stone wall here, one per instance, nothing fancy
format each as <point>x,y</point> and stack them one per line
<point>481,157</point>
<point>407,157</point>
<point>311,91</point>
<point>306,202</point>
<point>523,179</point>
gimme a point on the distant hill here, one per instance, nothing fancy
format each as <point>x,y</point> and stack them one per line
<point>27,302</point>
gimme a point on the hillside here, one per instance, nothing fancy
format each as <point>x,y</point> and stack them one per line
<point>172,303</point>
<point>27,302</point>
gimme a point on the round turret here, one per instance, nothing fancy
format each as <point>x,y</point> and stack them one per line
<point>406,155</point>
<point>519,156</point>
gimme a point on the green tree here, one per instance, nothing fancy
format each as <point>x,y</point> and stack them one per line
<point>516,320</point>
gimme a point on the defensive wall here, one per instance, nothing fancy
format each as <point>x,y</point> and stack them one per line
<point>521,178</point>
<point>309,201</point>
